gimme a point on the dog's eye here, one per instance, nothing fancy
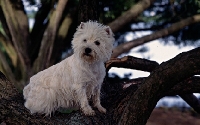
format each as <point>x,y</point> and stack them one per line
<point>97,43</point>
<point>85,40</point>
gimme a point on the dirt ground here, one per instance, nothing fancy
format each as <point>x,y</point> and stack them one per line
<point>164,116</point>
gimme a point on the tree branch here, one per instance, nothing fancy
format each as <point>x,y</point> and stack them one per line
<point>130,15</point>
<point>192,100</point>
<point>160,81</point>
<point>47,43</point>
<point>185,87</point>
<point>4,25</point>
<point>146,65</point>
<point>60,39</point>
<point>5,67</point>
<point>132,63</point>
<point>11,104</point>
<point>38,28</point>
<point>10,50</point>
<point>125,47</point>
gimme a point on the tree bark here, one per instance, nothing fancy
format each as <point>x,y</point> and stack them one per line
<point>127,46</point>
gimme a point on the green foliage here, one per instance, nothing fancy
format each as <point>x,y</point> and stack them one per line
<point>1,29</point>
<point>110,10</point>
<point>66,111</point>
<point>165,12</point>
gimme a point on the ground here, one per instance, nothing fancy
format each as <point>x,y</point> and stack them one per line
<point>172,116</point>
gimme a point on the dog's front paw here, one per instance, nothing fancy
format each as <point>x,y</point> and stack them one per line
<point>88,111</point>
<point>101,109</point>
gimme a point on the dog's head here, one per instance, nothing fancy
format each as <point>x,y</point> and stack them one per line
<point>93,42</point>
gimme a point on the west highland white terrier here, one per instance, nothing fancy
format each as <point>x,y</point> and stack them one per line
<point>70,83</point>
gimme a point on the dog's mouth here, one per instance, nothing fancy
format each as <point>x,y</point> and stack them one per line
<point>87,54</point>
<point>88,57</point>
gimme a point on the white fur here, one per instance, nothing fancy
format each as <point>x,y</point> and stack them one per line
<point>73,81</point>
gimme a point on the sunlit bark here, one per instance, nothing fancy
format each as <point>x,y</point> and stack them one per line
<point>130,15</point>
<point>17,20</point>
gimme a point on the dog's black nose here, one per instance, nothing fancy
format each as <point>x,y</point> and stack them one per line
<point>88,50</point>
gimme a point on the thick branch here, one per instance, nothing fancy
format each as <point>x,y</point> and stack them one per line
<point>183,89</point>
<point>132,63</point>
<point>5,67</point>
<point>9,49</point>
<point>13,112</point>
<point>192,100</point>
<point>4,25</point>
<point>130,15</point>
<point>60,39</point>
<point>125,47</point>
<point>146,65</point>
<point>38,29</point>
<point>160,81</point>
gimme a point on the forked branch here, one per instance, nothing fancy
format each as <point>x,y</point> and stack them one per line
<point>161,80</point>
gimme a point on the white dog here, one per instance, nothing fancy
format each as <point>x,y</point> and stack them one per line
<point>73,81</point>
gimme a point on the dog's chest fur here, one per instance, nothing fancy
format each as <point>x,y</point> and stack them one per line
<point>97,75</point>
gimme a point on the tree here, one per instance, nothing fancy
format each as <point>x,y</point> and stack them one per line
<point>33,51</point>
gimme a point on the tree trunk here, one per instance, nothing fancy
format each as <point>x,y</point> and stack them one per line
<point>88,10</point>
<point>16,21</point>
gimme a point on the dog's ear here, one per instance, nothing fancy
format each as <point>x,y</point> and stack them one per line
<point>81,25</point>
<point>109,31</point>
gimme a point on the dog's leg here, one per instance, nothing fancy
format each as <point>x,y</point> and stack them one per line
<point>96,99</point>
<point>85,107</point>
